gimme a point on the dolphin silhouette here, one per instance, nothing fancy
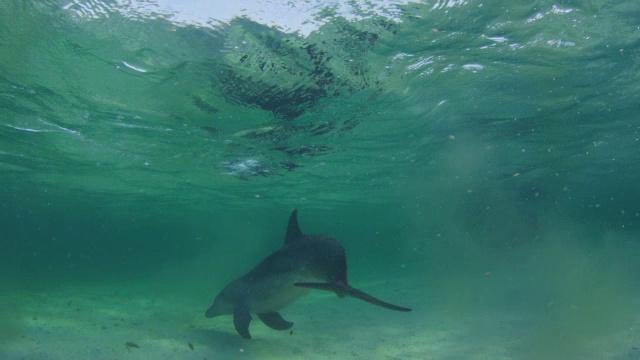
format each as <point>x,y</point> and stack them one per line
<point>304,262</point>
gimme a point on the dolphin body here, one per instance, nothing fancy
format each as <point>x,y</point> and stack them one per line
<point>304,262</point>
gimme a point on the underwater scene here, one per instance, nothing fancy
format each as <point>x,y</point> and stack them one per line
<point>308,179</point>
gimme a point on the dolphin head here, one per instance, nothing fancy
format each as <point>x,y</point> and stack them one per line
<point>222,305</point>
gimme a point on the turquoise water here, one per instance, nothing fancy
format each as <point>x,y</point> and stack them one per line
<point>478,161</point>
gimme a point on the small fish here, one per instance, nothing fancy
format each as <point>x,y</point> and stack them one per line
<point>191,346</point>
<point>210,129</point>
<point>130,345</point>
<point>253,133</point>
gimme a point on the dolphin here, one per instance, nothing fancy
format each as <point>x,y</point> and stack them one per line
<point>304,262</point>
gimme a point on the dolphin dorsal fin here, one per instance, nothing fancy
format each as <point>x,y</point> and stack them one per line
<point>293,229</point>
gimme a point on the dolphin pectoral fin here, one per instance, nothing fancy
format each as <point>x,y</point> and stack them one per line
<point>241,320</point>
<point>343,290</point>
<point>275,321</point>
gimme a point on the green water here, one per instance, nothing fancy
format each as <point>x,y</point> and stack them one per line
<point>482,156</point>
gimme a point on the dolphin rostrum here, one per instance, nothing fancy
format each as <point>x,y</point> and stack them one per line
<point>304,262</point>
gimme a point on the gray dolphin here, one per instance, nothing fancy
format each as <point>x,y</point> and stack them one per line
<point>304,262</point>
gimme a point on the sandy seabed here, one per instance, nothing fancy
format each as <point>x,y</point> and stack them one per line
<point>116,322</point>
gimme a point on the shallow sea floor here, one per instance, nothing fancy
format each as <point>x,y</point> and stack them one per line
<point>473,322</point>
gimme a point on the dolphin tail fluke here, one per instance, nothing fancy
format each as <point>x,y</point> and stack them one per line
<point>344,290</point>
